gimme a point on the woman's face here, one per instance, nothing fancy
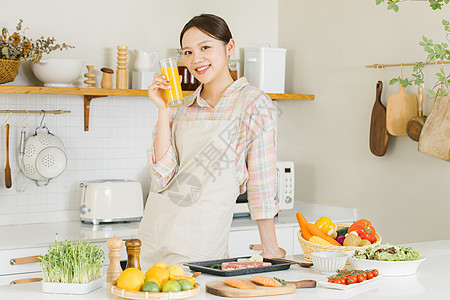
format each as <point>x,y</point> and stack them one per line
<point>206,57</point>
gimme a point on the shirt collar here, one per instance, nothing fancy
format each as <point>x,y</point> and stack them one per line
<point>236,86</point>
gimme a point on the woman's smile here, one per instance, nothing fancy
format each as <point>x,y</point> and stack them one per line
<point>202,70</point>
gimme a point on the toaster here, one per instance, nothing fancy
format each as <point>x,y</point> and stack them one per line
<point>111,200</point>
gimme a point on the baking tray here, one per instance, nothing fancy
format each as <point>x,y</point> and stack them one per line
<point>204,266</point>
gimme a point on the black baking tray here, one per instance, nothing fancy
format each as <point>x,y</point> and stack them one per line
<point>204,266</point>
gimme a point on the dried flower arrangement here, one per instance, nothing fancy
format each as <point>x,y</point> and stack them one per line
<point>17,45</point>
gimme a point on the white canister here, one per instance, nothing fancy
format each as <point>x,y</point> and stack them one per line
<point>265,68</point>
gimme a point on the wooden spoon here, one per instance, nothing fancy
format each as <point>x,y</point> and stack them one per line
<point>302,284</point>
<point>8,182</point>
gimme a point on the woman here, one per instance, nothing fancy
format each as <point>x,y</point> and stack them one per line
<point>219,144</point>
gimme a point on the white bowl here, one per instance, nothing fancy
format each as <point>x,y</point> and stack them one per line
<point>58,72</point>
<point>387,268</point>
<point>329,262</point>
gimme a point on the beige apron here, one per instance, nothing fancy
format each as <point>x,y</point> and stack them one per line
<point>190,219</point>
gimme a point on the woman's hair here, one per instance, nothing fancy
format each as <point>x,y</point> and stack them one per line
<point>210,24</point>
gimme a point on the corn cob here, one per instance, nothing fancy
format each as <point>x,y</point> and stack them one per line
<point>318,240</point>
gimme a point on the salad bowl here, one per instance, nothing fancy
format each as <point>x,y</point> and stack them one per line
<point>388,260</point>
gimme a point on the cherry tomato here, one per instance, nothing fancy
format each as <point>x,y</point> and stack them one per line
<point>369,275</point>
<point>351,279</point>
<point>339,280</point>
<point>360,277</point>
<point>375,273</point>
<point>331,280</point>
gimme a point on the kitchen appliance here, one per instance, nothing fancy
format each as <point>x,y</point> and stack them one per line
<point>111,200</point>
<point>285,190</point>
<point>264,68</point>
<point>44,156</point>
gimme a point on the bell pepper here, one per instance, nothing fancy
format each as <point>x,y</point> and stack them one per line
<point>325,225</point>
<point>364,229</point>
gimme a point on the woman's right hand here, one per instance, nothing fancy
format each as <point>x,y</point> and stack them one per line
<point>156,91</point>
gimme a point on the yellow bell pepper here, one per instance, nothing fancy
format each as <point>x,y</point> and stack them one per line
<point>325,225</point>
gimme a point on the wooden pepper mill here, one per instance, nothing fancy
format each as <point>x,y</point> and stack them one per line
<point>114,268</point>
<point>106,79</point>
<point>121,75</point>
<point>133,251</point>
<point>90,77</point>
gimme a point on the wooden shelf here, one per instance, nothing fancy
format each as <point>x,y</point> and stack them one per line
<point>91,93</point>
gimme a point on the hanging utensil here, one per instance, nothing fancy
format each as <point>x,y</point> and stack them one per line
<point>8,182</point>
<point>20,182</point>
<point>378,136</point>
<point>400,108</point>
<point>415,124</point>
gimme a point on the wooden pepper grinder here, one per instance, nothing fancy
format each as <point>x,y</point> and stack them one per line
<point>106,79</point>
<point>133,251</point>
<point>114,268</point>
<point>121,79</point>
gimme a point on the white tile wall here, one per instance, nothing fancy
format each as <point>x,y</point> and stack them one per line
<point>115,146</point>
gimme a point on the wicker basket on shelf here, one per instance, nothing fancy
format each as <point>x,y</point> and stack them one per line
<point>8,70</point>
<point>309,247</point>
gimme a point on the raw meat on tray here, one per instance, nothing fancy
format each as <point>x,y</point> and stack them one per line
<point>234,265</point>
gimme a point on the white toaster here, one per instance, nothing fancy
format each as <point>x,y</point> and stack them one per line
<point>112,200</point>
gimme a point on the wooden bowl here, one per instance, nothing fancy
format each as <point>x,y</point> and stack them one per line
<point>146,295</point>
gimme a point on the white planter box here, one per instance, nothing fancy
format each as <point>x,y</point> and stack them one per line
<point>72,288</point>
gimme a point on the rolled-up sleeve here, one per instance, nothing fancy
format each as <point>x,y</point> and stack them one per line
<point>162,170</point>
<point>261,158</point>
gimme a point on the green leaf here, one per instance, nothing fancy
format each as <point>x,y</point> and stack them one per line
<point>393,81</point>
<point>422,44</point>
<point>431,92</point>
<point>431,56</point>
<point>379,1</point>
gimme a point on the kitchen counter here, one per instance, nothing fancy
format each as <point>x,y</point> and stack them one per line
<point>42,234</point>
<point>430,282</point>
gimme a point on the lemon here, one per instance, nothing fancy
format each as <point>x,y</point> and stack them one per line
<point>185,284</point>
<point>131,279</point>
<point>175,270</point>
<point>171,286</point>
<point>162,275</point>
<point>178,277</point>
<point>154,280</point>
<point>161,264</point>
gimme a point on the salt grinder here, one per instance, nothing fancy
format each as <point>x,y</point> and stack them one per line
<point>133,250</point>
<point>114,268</point>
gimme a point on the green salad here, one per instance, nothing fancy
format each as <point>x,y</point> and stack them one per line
<point>388,253</point>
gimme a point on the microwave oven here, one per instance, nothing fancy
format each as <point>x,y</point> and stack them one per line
<point>284,193</point>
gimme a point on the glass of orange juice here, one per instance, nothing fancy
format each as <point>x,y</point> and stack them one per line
<point>169,69</point>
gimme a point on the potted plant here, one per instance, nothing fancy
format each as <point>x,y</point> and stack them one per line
<point>72,268</point>
<point>16,46</point>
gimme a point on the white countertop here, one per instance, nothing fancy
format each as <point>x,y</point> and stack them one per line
<point>430,282</point>
<point>42,234</point>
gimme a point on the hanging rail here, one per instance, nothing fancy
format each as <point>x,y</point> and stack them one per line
<point>405,64</point>
<point>60,111</point>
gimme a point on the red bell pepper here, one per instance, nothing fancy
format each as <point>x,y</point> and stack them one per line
<point>364,229</point>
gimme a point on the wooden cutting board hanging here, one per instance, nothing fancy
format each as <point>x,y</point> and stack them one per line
<point>435,135</point>
<point>400,108</point>
<point>378,137</point>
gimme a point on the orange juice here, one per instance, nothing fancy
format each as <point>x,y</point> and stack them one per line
<point>169,69</point>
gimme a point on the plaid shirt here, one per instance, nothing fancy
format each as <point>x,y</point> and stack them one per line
<point>255,147</point>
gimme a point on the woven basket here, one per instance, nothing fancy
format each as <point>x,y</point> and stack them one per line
<point>309,247</point>
<point>8,70</point>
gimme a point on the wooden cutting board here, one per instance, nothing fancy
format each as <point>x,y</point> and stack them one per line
<point>435,135</point>
<point>378,136</point>
<point>219,288</point>
<point>400,108</point>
